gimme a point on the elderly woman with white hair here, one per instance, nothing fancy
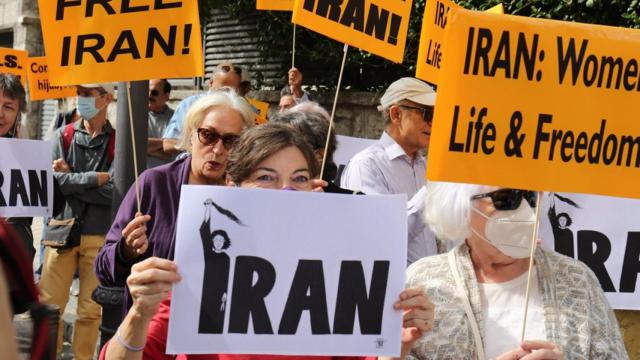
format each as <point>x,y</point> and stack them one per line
<point>211,128</point>
<point>479,287</point>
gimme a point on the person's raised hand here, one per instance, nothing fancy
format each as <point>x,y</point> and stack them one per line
<point>135,237</point>
<point>418,316</point>
<point>318,185</point>
<point>149,284</point>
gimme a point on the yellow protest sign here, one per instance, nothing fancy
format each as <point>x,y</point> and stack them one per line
<point>282,5</point>
<point>14,62</point>
<point>40,86</point>
<point>377,26</point>
<point>116,40</point>
<point>263,109</point>
<point>538,104</point>
<point>432,34</point>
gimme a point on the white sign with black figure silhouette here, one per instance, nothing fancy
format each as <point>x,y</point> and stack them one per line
<point>287,272</point>
<point>26,178</point>
<point>604,233</point>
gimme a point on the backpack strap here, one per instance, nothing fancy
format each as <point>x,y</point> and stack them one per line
<point>111,146</point>
<point>67,137</point>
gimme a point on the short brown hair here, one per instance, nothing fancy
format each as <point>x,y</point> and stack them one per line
<point>260,142</point>
<point>11,87</point>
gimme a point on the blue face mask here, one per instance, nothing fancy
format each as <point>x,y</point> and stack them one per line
<point>87,107</point>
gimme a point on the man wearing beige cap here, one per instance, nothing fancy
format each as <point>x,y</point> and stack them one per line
<point>394,165</point>
<point>82,158</point>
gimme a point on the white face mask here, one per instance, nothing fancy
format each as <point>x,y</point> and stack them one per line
<point>510,231</point>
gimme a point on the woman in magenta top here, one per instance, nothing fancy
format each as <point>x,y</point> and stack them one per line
<point>269,156</point>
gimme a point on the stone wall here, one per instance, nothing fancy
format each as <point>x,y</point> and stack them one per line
<point>356,114</point>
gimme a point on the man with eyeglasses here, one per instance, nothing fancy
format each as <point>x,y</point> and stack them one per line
<point>159,115</point>
<point>224,75</point>
<point>395,165</point>
<point>82,165</point>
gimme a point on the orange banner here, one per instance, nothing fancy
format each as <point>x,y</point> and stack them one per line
<point>40,85</point>
<point>377,26</point>
<point>116,40</point>
<point>538,104</point>
<point>278,5</point>
<point>14,62</point>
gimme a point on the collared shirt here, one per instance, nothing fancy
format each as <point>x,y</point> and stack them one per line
<point>176,124</point>
<point>384,168</point>
<point>157,124</point>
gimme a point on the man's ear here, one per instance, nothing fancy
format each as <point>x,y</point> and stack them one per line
<point>394,114</point>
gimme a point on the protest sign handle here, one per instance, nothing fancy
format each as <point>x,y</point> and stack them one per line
<point>534,242</point>
<point>293,49</point>
<point>333,110</point>
<point>133,145</point>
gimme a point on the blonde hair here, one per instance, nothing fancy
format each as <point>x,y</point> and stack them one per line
<point>225,97</point>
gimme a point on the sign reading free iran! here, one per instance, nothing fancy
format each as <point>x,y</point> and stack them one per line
<point>121,40</point>
<point>538,104</point>
<point>377,26</point>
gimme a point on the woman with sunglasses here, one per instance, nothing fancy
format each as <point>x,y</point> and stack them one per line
<point>212,126</point>
<point>479,286</point>
<point>270,156</point>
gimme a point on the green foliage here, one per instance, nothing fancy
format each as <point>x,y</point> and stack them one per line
<point>319,58</point>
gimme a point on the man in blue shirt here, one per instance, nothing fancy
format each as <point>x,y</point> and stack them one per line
<point>224,75</point>
<point>395,165</point>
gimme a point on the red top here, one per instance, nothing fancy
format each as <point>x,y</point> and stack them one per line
<point>155,347</point>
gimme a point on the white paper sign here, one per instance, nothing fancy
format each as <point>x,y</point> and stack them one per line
<point>26,178</point>
<point>303,273</point>
<point>604,233</point>
<point>347,147</point>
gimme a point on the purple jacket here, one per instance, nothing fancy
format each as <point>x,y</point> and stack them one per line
<point>159,197</point>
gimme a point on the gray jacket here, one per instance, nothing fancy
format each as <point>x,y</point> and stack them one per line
<point>86,156</point>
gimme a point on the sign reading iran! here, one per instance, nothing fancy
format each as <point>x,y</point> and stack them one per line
<point>377,26</point>
<point>14,62</point>
<point>538,104</point>
<point>40,85</point>
<point>119,40</point>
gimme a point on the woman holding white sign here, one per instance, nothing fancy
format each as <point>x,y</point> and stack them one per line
<point>479,287</point>
<point>270,156</point>
<point>212,126</point>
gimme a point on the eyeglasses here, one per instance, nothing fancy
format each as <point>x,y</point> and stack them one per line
<point>228,68</point>
<point>508,199</point>
<point>154,92</point>
<point>211,137</point>
<point>427,113</point>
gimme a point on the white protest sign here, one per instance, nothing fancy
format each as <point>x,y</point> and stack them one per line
<point>347,147</point>
<point>290,273</point>
<point>26,179</point>
<point>604,233</point>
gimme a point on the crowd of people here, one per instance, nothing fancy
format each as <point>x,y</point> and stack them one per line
<point>463,304</point>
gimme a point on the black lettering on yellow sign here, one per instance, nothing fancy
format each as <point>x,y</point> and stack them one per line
<point>91,6</point>
<point>485,57</point>
<point>595,69</point>
<point>353,16</point>
<point>10,62</point>
<point>74,49</point>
